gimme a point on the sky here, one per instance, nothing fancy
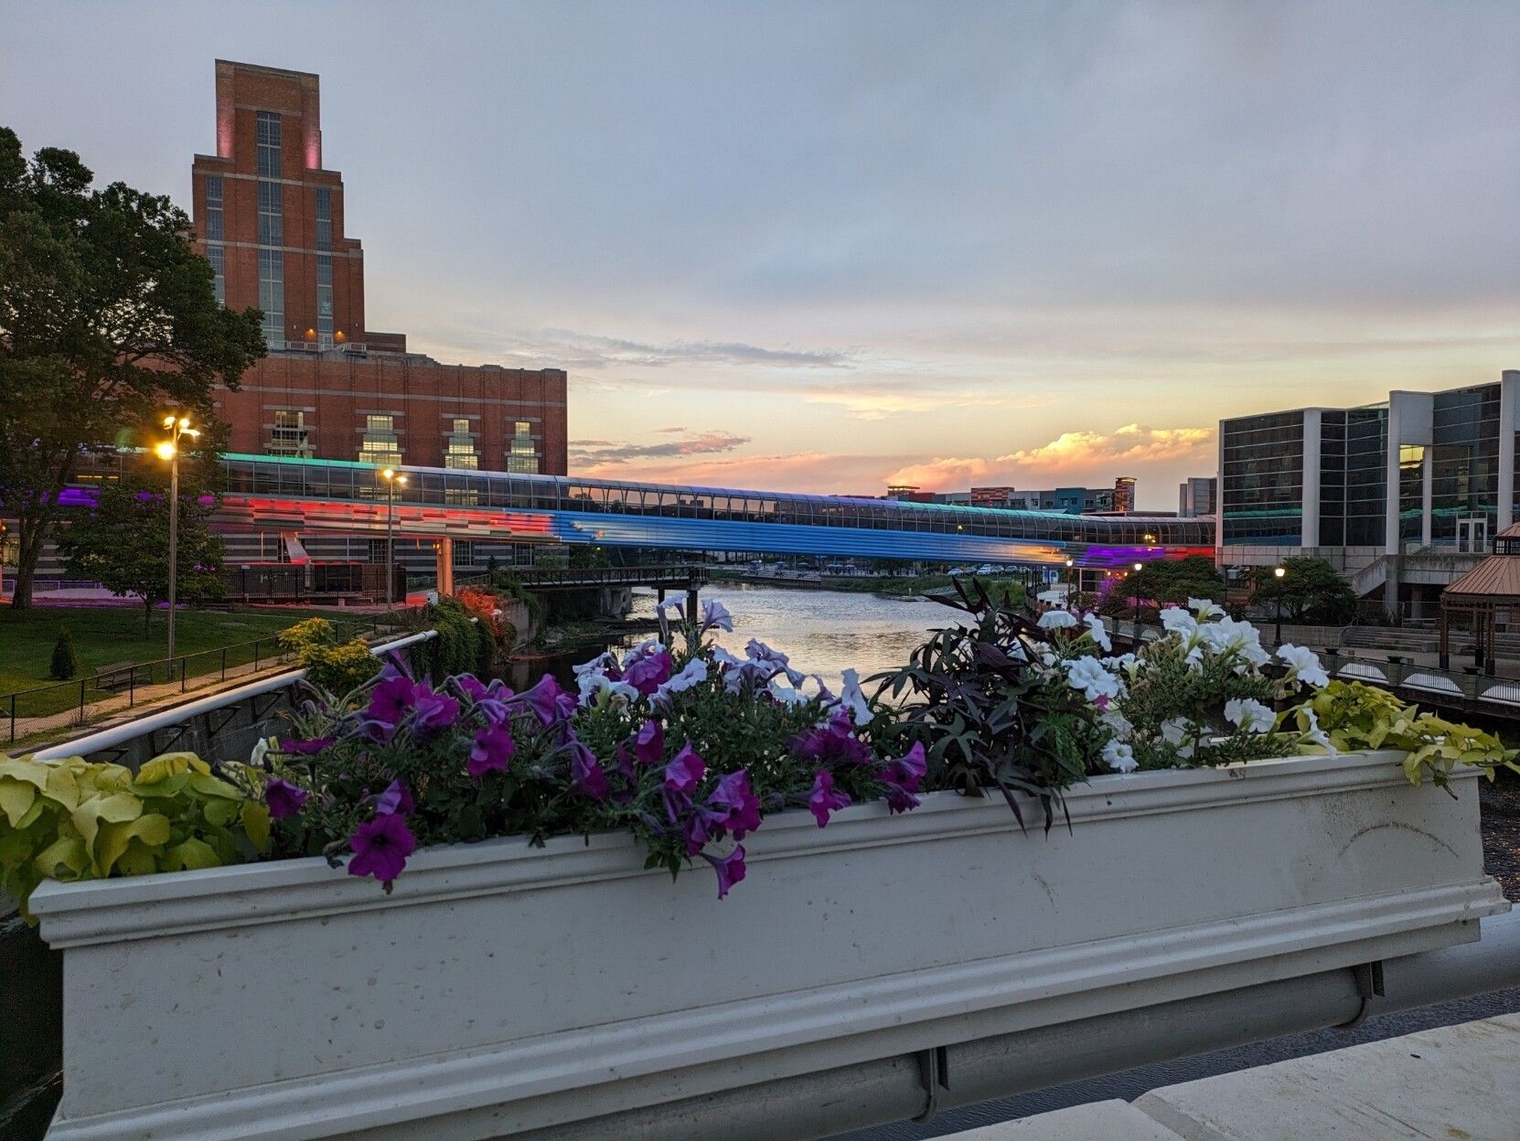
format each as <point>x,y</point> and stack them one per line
<point>828,246</point>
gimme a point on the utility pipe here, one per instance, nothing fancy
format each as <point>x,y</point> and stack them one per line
<point>892,1089</point>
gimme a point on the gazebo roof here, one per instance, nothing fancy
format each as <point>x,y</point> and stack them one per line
<point>1495,579</point>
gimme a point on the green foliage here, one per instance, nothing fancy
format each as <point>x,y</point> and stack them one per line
<point>107,316</point>
<point>982,705</point>
<point>1164,581</point>
<point>1310,591</point>
<point>123,544</point>
<point>332,667</point>
<point>65,662</point>
<point>1356,716</point>
<point>457,648</point>
<point>72,820</point>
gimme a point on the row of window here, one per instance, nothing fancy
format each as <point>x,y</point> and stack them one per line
<point>380,444</point>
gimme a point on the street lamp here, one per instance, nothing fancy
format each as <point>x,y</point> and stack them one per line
<point>1069,564</point>
<point>1277,573</point>
<point>392,480</point>
<point>178,427</point>
<point>1136,591</point>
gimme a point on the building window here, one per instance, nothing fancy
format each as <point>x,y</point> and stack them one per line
<point>464,553</point>
<point>271,215</point>
<point>214,229</point>
<point>324,301</point>
<point>459,448</point>
<point>522,452</point>
<point>380,445</point>
<point>377,551</point>
<point>272,296</point>
<point>324,218</point>
<point>290,436</point>
<point>267,132</point>
<point>216,255</point>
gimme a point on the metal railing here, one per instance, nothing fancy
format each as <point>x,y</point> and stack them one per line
<point>567,577</point>
<point>109,683</point>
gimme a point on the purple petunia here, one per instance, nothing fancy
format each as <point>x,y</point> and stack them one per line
<point>381,847</point>
<point>586,773</point>
<point>648,672</point>
<point>716,616</point>
<point>825,798</point>
<point>390,702</point>
<point>649,745</point>
<point>834,743</point>
<point>908,770</point>
<point>492,749</point>
<point>549,701</point>
<point>734,794</point>
<point>283,798</point>
<point>395,800</point>
<point>434,710</point>
<point>685,772</point>
<point>305,748</point>
<point>730,869</point>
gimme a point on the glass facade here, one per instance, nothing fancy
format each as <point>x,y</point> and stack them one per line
<point>290,436</point>
<point>459,448</point>
<point>217,256</point>
<point>1352,480</point>
<point>1465,461</point>
<point>272,296</point>
<point>1262,480</point>
<point>271,215</point>
<point>214,204</point>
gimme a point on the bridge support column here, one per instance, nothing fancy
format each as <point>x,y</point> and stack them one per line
<point>691,604</point>
<point>444,550</point>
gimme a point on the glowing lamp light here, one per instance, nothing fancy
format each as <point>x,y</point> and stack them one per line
<point>1139,566</point>
<point>165,450</point>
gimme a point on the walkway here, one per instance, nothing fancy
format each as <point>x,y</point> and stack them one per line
<point>1454,1083</point>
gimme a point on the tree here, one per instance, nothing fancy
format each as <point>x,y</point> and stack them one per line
<point>123,544</point>
<point>1165,581</point>
<point>65,662</point>
<point>107,316</point>
<point>1310,591</point>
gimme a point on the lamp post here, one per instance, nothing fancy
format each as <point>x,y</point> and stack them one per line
<point>178,427</point>
<point>1136,591</point>
<point>1277,573</point>
<point>392,480</point>
<point>1069,564</point>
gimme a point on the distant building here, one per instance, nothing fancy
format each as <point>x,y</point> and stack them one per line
<point>271,221</point>
<point>1400,496</point>
<point>1196,497</point>
<point>1124,495</point>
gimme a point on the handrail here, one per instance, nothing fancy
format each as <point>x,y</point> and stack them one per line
<point>120,734</point>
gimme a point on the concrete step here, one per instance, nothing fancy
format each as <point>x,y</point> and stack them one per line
<point>1453,1083</point>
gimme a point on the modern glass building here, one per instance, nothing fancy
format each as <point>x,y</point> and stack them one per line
<point>1400,496</point>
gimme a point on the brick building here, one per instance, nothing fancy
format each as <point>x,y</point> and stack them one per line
<point>270,219</point>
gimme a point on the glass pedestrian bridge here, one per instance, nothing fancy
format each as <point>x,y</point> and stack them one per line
<point>275,492</point>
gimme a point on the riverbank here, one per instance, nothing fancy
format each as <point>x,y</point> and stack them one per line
<point>891,586</point>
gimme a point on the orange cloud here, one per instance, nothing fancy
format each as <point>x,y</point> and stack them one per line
<point>1091,455</point>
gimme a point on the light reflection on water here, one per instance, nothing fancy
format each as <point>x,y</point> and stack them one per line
<point>824,632</point>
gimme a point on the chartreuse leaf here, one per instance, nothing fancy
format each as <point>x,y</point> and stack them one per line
<point>189,855</point>
<point>66,858</point>
<point>171,764</point>
<point>256,824</point>
<point>16,800</point>
<point>112,840</point>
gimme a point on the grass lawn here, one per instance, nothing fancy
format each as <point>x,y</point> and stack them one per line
<point>105,636</point>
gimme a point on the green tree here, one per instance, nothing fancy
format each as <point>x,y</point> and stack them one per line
<point>1166,581</point>
<point>123,544</point>
<point>107,316</point>
<point>1309,591</point>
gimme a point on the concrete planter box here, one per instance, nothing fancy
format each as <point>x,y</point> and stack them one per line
<point>504,988</point>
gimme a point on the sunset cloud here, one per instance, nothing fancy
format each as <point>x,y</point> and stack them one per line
<point>586,455</point>
<point>1095,457</point>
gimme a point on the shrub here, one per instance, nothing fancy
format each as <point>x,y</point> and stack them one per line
<point>331,667</point>
<point>65,663</point>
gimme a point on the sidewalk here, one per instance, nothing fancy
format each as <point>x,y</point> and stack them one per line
<point>1453,1083</point>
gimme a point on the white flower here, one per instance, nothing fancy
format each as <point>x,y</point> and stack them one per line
<point>1120,757</point>
<point>1088,675</point>
<point>644,648</point>
<point>1096,629</point>
<point>1303,665</point>
<point>1250,715</point>
<point>1174,732</point>
<point>694,673</point>
<point>723,657</point>
<point>596,688</point>
<point>785,693</point>
<point>1057,620</point>
<point>1178,621</point>
<point>853,700</point>
<point>1205,609</point>
<point>1127,664</point>
<point>1314,735</point>
<point>1117,724</point>
<point>260,748</point>
<point>599,664</point>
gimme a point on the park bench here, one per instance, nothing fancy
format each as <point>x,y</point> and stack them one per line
<point>118,676</point>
